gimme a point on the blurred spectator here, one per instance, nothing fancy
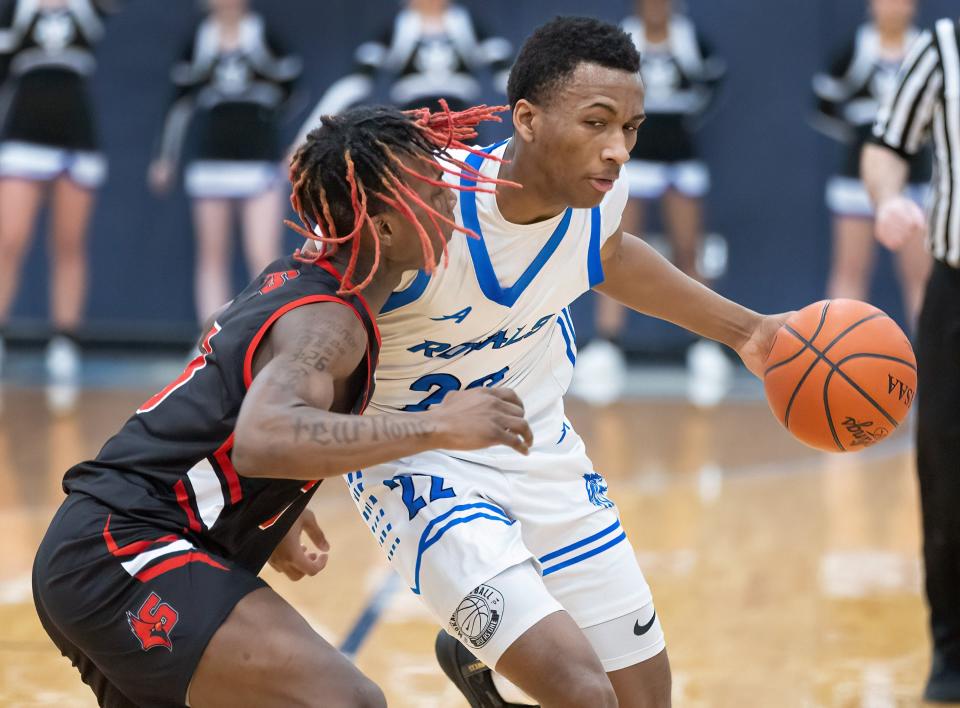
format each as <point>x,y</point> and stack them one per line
<point>680,75</point>
<point>859,79</point>
<point>432,49</point>
<point>234,78</point>
<point>49,149</point>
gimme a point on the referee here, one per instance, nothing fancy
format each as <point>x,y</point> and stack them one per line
<point>926,102</point>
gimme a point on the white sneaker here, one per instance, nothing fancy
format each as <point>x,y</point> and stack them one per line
<point>63,361</point>
<point>62,397</point>
<point>709,374</point>
<point>600,374</point>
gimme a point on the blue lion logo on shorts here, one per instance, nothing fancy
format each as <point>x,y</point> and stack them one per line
<point>597,490</point>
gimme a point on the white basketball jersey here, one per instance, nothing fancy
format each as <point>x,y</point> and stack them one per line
<point>497,314</point>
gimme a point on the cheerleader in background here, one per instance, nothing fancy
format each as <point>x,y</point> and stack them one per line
<point>680,75</point>
<point>433,49</point>
<point>233,81</point>
<point>49,150</point>
<point>849,95</point>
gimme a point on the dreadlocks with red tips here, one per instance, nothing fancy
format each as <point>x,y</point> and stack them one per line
<point>350,169</point>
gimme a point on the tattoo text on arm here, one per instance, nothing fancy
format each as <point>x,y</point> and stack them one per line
<point>342,432</point>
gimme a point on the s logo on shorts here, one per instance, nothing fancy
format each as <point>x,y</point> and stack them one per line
<point>478,615</point>
<point>153,623</point>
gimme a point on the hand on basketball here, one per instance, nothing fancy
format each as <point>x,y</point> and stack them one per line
<point>483,417</point>
<point>899,220</point>
<point>292,558</point>
<point>754,351</point>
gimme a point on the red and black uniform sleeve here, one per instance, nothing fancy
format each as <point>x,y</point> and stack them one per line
<point>171,461</point>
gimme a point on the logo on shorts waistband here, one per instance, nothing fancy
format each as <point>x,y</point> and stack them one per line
<point>153,623</point>
<point>478,615</point>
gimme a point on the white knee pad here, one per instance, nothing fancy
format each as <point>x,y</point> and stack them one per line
<point>627,640</point>
<point>620,643</point>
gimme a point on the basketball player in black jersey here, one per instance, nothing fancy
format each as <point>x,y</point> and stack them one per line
<point>147,577</point>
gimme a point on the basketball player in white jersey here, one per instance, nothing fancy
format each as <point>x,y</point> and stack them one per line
<point>522,558</point>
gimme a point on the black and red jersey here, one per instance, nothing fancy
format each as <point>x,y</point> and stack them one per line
<point>170,464</point>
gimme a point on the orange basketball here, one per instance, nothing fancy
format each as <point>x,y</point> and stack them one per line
<point>841,375</point>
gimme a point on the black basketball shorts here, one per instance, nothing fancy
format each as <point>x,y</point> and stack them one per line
<point>132,606</point>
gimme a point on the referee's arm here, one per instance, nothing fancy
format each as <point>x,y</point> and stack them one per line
<point>901,129</point>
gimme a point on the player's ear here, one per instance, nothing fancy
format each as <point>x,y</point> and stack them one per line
<point>524,120</point>
<point>385,227</point>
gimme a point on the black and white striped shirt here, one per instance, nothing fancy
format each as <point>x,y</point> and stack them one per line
<point>927,101</point>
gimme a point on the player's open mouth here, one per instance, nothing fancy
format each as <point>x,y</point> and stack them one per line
<point>601,185</point>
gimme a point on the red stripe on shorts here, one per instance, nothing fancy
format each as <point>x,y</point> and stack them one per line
<point>184,501</point>
<point>177,562</point>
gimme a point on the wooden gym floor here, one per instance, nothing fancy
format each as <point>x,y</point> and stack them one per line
<point>783,577</point>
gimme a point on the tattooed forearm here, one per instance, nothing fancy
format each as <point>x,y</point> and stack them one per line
<point>386,428</point>
<point>373,429</point>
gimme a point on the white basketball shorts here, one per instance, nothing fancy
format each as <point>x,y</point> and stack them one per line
<point>449,526</point>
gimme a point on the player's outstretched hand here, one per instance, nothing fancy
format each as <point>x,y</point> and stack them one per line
<point>756,348</point>
<point>483,417</point>
<point>899,220</point>
<point>292,558</point>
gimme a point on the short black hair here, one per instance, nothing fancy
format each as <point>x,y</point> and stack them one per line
<point>555,50</point>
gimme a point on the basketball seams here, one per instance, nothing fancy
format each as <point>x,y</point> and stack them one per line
<point>872,355</point>
<point>867,397</point>
<point>826,408</point>
<point>793,396</point>
<point>856,387</point>
<point>847,331</point>
<point>806,345</point>
<point>821,356</point>
<point>823,318</point>
<point>786,361</point>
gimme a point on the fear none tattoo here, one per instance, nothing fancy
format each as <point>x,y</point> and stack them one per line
<point>343,432</point>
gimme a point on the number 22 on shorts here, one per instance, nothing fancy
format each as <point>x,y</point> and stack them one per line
<point>411,499</point>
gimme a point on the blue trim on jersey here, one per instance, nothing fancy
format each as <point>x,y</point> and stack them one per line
<point>584,556</point>
<point>410,294</point>
<point>486,276</point>
<point>426,541</point>
<point>573,330</point>
<point>594,264</point>
<point>566,338</point>
<point>579,544</point>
